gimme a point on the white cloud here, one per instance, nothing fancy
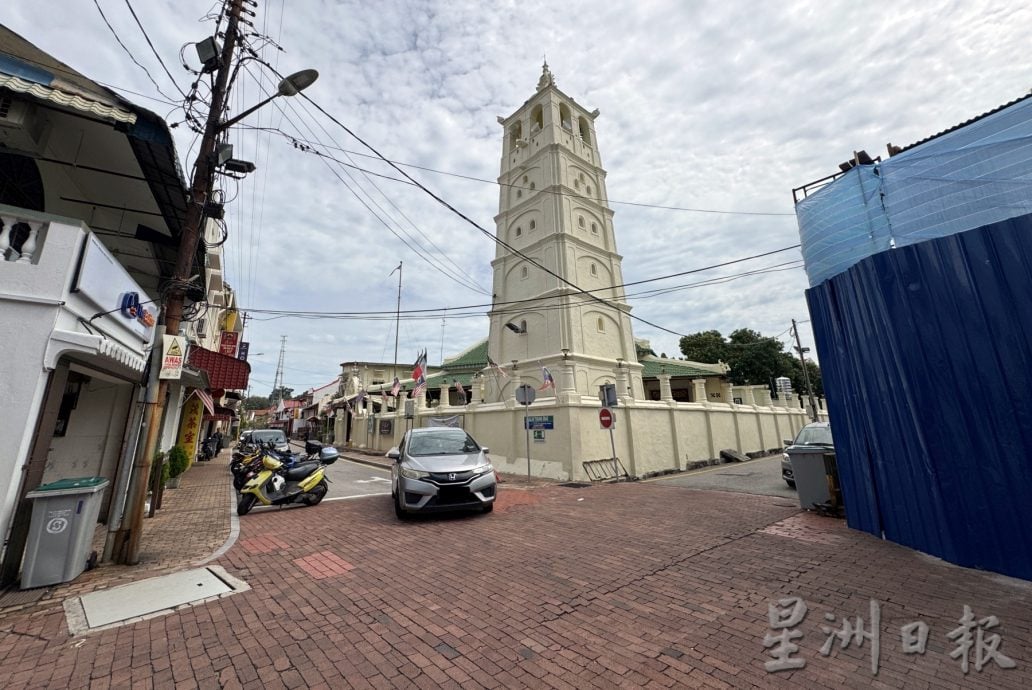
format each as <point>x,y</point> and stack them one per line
<point>716,105</point>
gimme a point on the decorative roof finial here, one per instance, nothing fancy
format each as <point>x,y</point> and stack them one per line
<point>546,79</point>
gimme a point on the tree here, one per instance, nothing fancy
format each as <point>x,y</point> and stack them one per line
<point>753,358</point>
<point>705,346</point>
<point>256,402</point>
<point>282,393</point>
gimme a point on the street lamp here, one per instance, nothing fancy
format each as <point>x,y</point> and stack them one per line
<point>288,86</point>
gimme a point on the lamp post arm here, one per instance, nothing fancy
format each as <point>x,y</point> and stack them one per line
<point>232,121</point>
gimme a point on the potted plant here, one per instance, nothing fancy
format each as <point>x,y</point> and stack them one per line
<point>178,461</point>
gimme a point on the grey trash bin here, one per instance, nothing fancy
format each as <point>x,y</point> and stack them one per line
<point>64,515</point>
<point>811,478</point>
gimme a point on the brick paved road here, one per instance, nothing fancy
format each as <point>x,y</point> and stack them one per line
<point>635,585</point>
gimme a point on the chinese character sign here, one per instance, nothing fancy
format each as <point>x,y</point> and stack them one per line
<point>190,426</point>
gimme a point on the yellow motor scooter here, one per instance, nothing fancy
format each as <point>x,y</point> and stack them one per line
<point>275,485</point>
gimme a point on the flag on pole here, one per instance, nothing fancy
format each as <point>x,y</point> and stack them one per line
<point>419,374</point>
<point>494,367</point>
<point>396,388</point>
<point>549,381</point>
<point>461,391</point>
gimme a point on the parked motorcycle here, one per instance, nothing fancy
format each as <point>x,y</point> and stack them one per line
<point>277,484</point>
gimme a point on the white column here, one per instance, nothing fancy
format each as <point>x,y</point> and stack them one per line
<point>699,391</point>
<point>727,392</point>
<point>665,393</point>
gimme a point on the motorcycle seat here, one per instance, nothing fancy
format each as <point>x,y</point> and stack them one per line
<point>300,471</point>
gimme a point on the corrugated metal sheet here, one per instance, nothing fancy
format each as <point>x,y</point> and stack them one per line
<point>966,178</point>
<point>926,354</point>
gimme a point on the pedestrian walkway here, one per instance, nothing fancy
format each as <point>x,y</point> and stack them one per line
<point>195,521</point>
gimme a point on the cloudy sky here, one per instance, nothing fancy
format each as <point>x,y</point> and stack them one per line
<point>713,110</point>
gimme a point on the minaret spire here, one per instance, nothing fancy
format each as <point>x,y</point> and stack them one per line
<point>546,79</point>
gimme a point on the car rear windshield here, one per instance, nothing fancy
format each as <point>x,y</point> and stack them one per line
<point>443,442</point>
<point>262,436</point>
<point>814,436</point>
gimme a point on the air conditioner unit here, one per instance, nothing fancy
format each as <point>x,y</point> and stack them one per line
<point>21,127</point>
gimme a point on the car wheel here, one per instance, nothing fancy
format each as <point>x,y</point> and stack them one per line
<point>398,510</point>
<point>791,483</point>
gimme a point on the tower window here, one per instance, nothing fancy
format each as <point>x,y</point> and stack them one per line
<point>601,325</point>
<point>524,272</point>
<point>516,133</point>
<point>589,191</point>
<point>594,270</point>
<point>532,186</point>
<point>519,193</point>
<point>533,224</point>
<point>525,178</point>
<point>519,231</point>
<point>576,184</point>
<point>580,221</point>
<point>564,117</point>
<point>585,132</point>
<point>536,119</point>
<point>581,177</point>
<point>523,325</point>
<point>594,229</point>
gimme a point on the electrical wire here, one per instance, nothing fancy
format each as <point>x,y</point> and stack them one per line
<point>153,49</point>
<point>305,143</point>
<point>129,52</point>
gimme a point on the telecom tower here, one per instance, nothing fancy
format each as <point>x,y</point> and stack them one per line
<point>277,383</point>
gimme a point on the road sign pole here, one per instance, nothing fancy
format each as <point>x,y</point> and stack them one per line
<point>612,443</point>
<point>526,428</point>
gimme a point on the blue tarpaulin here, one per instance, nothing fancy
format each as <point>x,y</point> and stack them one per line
<point>921,303</point>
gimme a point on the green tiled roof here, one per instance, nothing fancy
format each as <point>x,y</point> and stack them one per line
<point>654,366</point>
<point>475,357</point>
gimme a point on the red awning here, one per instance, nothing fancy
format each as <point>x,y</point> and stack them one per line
<point>224,372</point>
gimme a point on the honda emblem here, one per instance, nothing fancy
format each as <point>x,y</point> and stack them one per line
<point>451,477</point>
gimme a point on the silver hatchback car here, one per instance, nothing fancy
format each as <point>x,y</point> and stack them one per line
<point>439,469</point>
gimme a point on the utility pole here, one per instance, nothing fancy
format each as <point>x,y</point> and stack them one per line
<point>806,373</point>
<point>204,169</point>
<point>397,319</point>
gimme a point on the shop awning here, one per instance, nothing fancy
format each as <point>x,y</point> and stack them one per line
<point>221,414</point>
<point>225,372</point>
<point>205,397</point>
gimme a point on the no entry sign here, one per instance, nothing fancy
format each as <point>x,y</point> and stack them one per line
<point>605,418</point>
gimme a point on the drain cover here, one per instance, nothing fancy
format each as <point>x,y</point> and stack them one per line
<point>576,485</point>
<point>149,597</point>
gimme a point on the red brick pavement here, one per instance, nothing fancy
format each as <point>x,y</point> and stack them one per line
<point>628,585</point>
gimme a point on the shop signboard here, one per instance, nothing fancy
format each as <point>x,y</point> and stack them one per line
<point>173,352</point>
<point>242,351</point>
<point>190,426</point>
<point>228,343</point>
<point>104,281</point>
<point>540,422</point>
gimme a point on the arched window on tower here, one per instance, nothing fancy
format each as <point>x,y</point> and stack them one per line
<point>516,134</point>
<point>580,221</point>
<point>524,272</point>
<point>537,121</point>
<point>519,231</point>
<point>594,270</point>
<point>565,119</point>
<point>585,132</point>
<point>594,229</point>
<point>533,224</point>
<point>601,325</point>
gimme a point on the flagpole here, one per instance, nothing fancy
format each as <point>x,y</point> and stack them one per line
<point>397,321</point>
